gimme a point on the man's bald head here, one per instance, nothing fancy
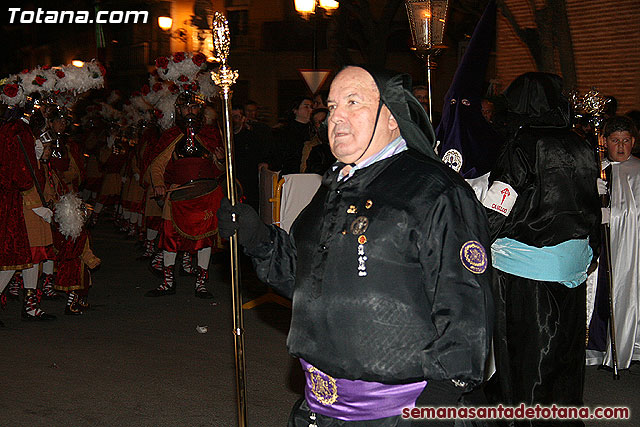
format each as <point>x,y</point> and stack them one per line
<point>353,105</point>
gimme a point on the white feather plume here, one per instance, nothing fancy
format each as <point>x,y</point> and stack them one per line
<point>69,215</point>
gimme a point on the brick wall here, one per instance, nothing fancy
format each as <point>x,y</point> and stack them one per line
<point>606,42</point>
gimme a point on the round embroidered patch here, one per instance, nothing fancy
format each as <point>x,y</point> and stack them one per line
<point>453,159</point>
<point>473,257</point>
<point>323,387</point>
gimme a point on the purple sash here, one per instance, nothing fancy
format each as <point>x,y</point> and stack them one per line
<point>356,400</point>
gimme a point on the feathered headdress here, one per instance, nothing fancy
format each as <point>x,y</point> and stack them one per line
<point>49,82</point>
<point>188,72</point>
<point>162,97</point>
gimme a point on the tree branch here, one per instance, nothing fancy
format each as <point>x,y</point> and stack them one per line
<point>506,12</point>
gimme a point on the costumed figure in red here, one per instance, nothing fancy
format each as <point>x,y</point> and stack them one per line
<point>184,172</point>
<point>32,90</point>
<point>74,258</point>
<point>163,99</point>
<point>112,159</point>
<point>137,113</point>
<point>35,212</point>
<point>152,210</point>
<point>15,179</point>
<point>94,133</point>
<point>67,161</point>
<point>189,156</point>
<point>129,141</point>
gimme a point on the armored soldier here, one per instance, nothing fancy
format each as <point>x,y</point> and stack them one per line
<point>187,155</point>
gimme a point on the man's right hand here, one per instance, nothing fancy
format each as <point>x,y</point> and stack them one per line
<point>159,191</point>
<point>243,219</point>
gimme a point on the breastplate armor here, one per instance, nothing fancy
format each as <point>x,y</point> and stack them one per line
<point>189,146</point>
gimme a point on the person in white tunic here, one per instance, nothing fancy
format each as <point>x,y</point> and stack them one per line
<point>624,222</point>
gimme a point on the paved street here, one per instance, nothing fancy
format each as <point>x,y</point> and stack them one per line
<point>136,361</point>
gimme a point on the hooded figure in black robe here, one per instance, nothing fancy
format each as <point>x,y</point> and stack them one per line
<point>542,200</point>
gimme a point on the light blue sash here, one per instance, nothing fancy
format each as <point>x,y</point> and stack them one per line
<point>566,262</point>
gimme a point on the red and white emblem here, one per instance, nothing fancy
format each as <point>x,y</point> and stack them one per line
<point>505,192</point>
<point>500,197</point>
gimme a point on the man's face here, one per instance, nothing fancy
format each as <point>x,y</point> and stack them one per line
<point>47,110</point>
<point>619,145</point>
<point>59,125</point>
<point>318,118</point>
<point>251,112</point>
<point>422,95</point>
<point>487,110</point>
<point>317,102</point>
<point>237,118</point>
<point>353,104</point>
<point>191,110</point>
<point>303,112</point>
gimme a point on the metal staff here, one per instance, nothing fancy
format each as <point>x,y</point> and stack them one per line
<point>225,78</point>
<point>594,103</point>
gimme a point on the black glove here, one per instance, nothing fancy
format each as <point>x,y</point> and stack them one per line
<point>251,230</point>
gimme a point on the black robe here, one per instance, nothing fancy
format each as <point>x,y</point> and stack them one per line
<point>424,308</point>
<point>539,340</point>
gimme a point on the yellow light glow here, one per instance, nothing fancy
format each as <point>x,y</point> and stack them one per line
<point>305,6</point>
<point>165,22</point>
<point>329,4</point>
<point>77,63</point>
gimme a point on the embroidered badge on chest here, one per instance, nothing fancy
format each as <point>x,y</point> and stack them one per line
<point>474,257</point>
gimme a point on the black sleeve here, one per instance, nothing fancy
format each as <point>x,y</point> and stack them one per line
<point>455,261</point>
<point>275,261</point>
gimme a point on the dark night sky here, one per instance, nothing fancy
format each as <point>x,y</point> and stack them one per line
<point>27,45</point>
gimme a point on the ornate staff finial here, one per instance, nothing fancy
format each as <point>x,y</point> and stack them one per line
<point>595,104</point>
<point>224,77</point>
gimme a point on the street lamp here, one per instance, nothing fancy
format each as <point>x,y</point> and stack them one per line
<point>165,23</point>
<point>308,7</point>
<point>427,19</point>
